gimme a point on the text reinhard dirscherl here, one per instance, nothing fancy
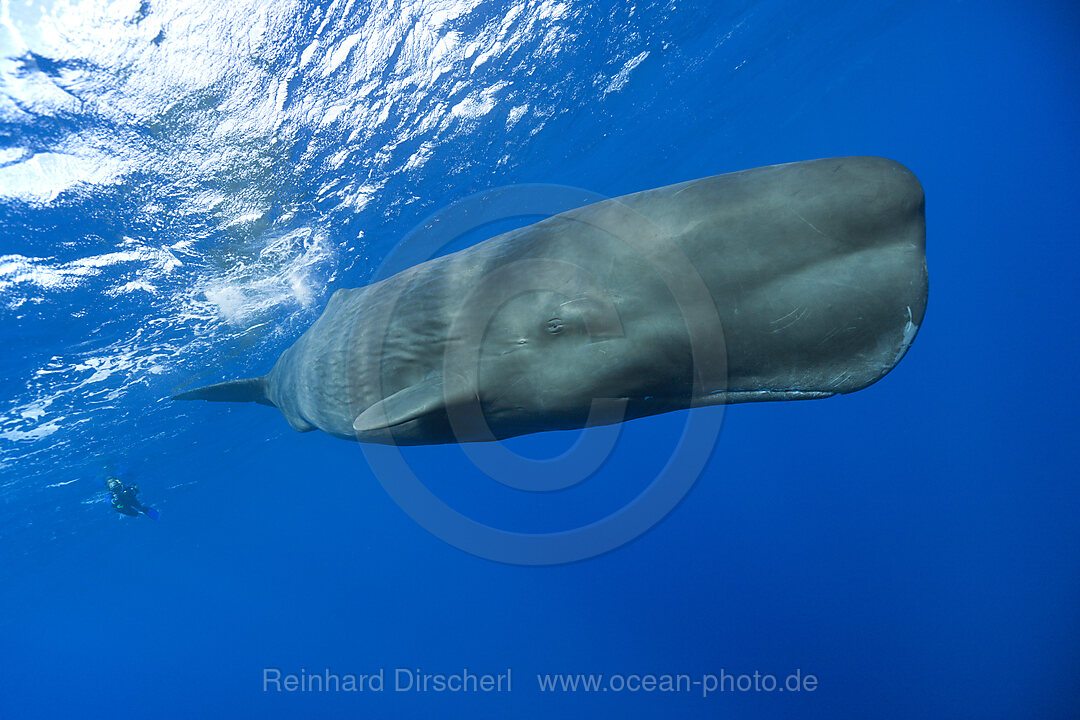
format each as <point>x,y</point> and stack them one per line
<point>400,680</point>
<point>467,681</point>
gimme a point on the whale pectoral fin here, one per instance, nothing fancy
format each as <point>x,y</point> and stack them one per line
<point>411,403</point>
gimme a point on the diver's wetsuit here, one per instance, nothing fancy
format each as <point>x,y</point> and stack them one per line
<point>124,500</point>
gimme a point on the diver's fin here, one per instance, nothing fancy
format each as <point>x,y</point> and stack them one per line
<point>246,390</point>
<point>152,513</point>
<point>411,403</point>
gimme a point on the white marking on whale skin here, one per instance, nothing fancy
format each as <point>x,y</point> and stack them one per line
<point>909,334</point>
<point>801,313</point>
<point>812,226</point>
<point>688,186</point>
<point>840,378</point>
<point>833,333</point>
<point>725,397</point>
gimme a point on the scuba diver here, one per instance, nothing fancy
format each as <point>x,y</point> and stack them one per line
<point>123,499</point>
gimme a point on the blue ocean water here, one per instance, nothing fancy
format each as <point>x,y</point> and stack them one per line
<point>183,185</point>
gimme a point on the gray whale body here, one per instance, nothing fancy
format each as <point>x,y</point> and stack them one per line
<point>786,282</point>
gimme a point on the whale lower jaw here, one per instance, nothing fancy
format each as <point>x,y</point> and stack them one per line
<point>730,397</point>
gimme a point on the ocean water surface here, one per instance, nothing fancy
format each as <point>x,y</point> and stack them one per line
<point>183,185</point>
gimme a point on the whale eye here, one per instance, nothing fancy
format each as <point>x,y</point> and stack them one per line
<point>554,326</point>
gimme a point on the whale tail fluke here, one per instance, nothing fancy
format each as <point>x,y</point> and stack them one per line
<point>246,390</point>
